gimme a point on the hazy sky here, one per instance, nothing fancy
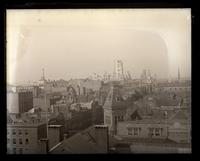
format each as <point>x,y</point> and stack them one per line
<point>77,43</point>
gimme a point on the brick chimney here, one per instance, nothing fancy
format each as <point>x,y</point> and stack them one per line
<point>102,137</point>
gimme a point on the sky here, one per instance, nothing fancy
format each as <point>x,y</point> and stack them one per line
<point>76,43</point>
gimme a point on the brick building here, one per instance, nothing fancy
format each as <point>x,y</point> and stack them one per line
<point>27,138</point>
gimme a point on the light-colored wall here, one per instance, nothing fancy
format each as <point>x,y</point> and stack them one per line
<point>31,147</point>
<point>122,130</point>
<point>13,102</point>
<point>34,145</point>
<point>108,113</point>
<point>112,114</point>
<point>40,102</point>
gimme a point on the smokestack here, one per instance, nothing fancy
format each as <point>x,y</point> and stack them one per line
<point>101,137</point>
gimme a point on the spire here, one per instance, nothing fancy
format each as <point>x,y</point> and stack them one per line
<point>43,73</point>
<point>42,78</point>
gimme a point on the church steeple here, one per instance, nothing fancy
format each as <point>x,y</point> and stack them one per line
<point>42,79</point>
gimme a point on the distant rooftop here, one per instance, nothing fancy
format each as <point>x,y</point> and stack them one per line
<point>24,120</point>
<point>175,84</point>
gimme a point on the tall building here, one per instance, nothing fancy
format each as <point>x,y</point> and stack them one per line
<point>19,102</point>
<point>114,108</point>
<point>42,80</point>
<point>119,70</point>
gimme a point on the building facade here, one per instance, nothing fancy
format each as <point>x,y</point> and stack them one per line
<point>176,131</point>
<point>26,138</point>
<point>114,108</point>
<point>19,102</point>
<point>142,129</point>
<point>56,135</point>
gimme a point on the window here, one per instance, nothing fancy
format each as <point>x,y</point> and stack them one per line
<point>26,132</point>
<point>161,131</point>
<point>8,141</point>
<point>157,132</point>
<point>27,141</point>
<point>20,140</point>
<point>118,118</point>
<point>14,141</point>
<point>20,132</point>
<point>118,99</point>
<point>13,131</point>
<point>136,131</point>
<point>130,131</point>
<point>151,132</point>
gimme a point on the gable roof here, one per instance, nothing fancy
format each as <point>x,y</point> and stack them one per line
<point>179,115</point>
<point>80,143</point>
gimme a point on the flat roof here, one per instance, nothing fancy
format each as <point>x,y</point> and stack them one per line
<point>22,125</point>
<point>153,121</point>
<point>55,126</point>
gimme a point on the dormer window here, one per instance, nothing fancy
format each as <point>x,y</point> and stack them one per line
<point>118,99</point>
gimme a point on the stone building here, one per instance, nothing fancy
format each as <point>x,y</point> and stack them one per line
<point>27,138</point>
<point>176,128</point>
<point>114,108</point>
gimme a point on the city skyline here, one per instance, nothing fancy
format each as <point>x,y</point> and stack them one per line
<point>76,43</point>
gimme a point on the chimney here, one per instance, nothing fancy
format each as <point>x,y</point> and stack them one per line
<point>101,137</point>
<point>44,146</point>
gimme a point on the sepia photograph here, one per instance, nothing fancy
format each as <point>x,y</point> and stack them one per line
<point>98,81</point>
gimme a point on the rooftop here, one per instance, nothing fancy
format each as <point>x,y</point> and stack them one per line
<point>175,84</point>
<point>155,142</point>
<point>55,126</point>
<point>114,98</point>
<point>80,143</point>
